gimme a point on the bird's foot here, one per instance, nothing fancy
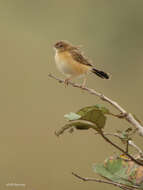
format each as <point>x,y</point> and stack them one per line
<point>66,82</point>
<point>82,86</point>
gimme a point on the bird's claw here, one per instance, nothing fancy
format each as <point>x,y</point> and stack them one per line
<point>66,82</point>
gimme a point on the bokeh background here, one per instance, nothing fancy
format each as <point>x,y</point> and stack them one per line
<point>32,105</point>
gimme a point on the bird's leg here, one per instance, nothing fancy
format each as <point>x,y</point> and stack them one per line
<point>67,81</point>
<point>84,82</point>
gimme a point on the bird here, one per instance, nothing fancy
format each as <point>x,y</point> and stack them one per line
<point>73,64</point>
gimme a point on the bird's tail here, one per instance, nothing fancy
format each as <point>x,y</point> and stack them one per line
<point>101,74</point>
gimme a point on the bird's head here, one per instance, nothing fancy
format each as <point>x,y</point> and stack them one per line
<point>62,46</point>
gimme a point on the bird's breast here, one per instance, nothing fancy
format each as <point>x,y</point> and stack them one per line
<point>63,63</point>
<point>68,66</point>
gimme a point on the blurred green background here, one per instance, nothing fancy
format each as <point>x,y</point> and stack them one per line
<point>32,105</point>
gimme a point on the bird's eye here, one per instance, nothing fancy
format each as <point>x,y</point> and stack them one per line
<point>60,45</point>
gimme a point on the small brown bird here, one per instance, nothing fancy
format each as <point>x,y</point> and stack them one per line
<point>72,63</point>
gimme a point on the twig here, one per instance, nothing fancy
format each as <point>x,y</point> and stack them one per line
<point>110,134</point>
<point>127,116</point>
<point>117,147</point>
<point>92,126</point>
<point>130,142</point>
<point>136,147</point>
<point>118,136</point>
<point>105,181</point>
<point>70,124</point>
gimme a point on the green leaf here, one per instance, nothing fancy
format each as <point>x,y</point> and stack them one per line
<point>103,109</point>
<point>115,170</point>
<point>101,170</point>
<point>114,165</point>
<point>82,125</point>
<point>93,114</point>
<point>78,124</point>
<point>72,116</point>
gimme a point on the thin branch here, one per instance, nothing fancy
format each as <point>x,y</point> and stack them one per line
<point>136,147</point>
<point>72,124</point>
<point>118,136</point>
<point>105,181</point>
<point>61,130</point>
<point>130,142</point>
<point>110,134</point>
<point>117,147</point>
<point>91,125</point>
<point>127,116</point>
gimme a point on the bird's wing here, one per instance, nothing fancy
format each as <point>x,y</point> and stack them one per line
<point>77,56</point>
